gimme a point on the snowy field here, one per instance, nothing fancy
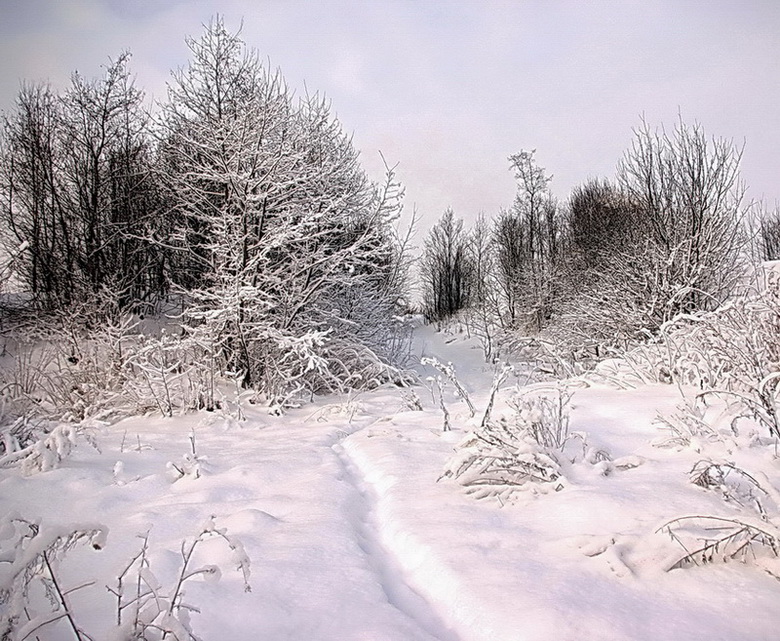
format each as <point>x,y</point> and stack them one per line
<point>350,529</point>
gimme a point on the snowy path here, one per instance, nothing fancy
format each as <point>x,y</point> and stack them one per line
<point>391,576</point>
<point>351,537</point>
<point>284,487</point>
<point>585,563</point>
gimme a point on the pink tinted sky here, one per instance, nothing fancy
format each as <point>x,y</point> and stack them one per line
<point>449,89</point>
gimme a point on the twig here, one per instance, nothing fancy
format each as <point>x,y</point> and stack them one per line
<point>61,596</point>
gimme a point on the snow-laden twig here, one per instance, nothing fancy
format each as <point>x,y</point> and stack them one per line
<point>33,558</point>
<point>448,371</point>
<point>707,539</point>
<point>499,377</point>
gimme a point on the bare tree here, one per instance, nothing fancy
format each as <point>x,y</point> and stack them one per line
<point>32,213</point>
<point>484,303</point>
<point>691,203</point>
<point>445,268</point>
<point>509,238</point>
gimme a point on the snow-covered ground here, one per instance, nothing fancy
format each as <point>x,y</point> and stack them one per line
<point>352,536</point>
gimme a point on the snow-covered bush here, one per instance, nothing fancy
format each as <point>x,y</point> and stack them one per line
<point>713,539</point>
<point>63,376</point>
<point>530,447</point>
<point>68,367</point>
<point>734,484</point>
<point>732,353</point>
<point>27,359</point>
<point>45,451</point>
<point>546,419</point>
<point>146,609</point>
<point>729,357</point>
<point>688,425</point>
<point>173,373</point>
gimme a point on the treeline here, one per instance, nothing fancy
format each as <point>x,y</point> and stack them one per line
<point>241,203</point>
<point>672,234</point>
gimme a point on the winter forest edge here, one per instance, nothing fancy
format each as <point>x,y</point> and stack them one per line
<point>223,260</point>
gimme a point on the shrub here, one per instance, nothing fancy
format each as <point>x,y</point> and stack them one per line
<point>506,455</point>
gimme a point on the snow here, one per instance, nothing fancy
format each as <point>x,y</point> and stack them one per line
<point>350,533</point>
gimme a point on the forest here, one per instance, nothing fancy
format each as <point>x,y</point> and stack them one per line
<point>223,253</point>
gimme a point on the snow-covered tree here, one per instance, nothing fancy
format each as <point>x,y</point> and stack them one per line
<point>285,246</point>
<point>668,239</point>
<point>691,205</point>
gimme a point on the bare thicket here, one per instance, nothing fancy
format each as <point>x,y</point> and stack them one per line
<point>527,242</point>
<point>770,236</point>
<point>598,297</point>
<point>445,268</point>
<point>79,193</point>
<point>599,220</point>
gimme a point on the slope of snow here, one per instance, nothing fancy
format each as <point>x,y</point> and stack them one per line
<point>352,536</point>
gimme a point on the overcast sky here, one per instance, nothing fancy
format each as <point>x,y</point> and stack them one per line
<point>449,89</point>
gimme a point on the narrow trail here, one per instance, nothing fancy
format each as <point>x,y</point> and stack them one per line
<point>474,373</point>
<point>391,576</point>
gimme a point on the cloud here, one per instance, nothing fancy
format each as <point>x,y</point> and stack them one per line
<point>450,89</point>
